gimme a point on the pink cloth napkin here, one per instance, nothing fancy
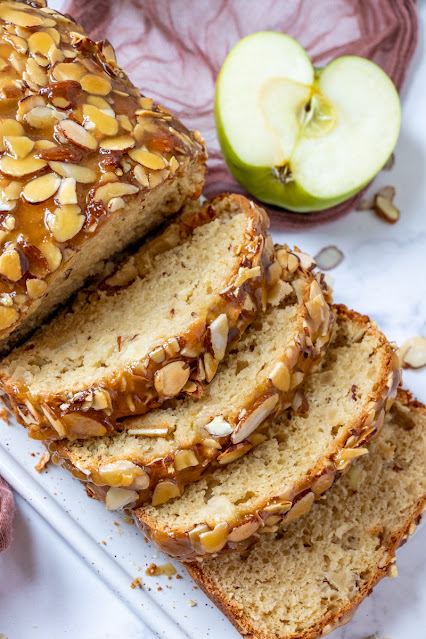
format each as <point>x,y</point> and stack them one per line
<point>173,51</point>
<point>6,514</point>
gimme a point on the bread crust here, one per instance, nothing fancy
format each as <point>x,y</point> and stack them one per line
<point>86,162</point>
<point>134,390</point>
<point>185,544</point>
<point>246,627</point>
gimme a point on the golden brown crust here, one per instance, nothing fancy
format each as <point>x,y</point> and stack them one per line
<point>186,546</point>
<point>246,627</point>
<point>136,390</point>
<point>78,142</point>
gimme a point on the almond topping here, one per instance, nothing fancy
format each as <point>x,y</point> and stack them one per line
<point>103,122</point>
<point>80,173</point>
<point>19,18</point>
<point>170,379</point>
<point>280,377</point>
<point>119,497</point>
<point>10,265</point>
<point>52,254</point>
<point>65,222</point>
<point>219,336</point>
<point>150,160</point>
<point>68,71</point>
<point>76,134</point>
<point>36,288</point>
<point>215,539</point>
<point>248,424</point>
<point>164,491</point>
<point>219,427</point>
<point>386,209</point>
<point>9,127</point>
<point>21,167</point>
<point>40,42</point>
<point>67,193</point>
<point>41,188</point>
<point>8,315</point>
<point>120,143</point>
<point>18,146</point>
<point>141,175</point>
<point>112,190</point>
<point>95,84</point>
<point>185,459</point>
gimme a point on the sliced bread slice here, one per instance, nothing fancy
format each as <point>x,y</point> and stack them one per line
<point>164,318</point>
<point>299,458</point>
<point>87,164</point>
<point>159,453</point>
<point>310,578</point>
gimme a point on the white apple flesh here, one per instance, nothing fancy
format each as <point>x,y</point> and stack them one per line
<point>298,137</point>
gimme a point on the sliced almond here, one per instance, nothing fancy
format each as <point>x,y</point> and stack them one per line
<point>18,43</point>
<point>219,427</point>
<point>52,254</point>
<point>65,222</point>
<point>141,175</point>
<point>10,265</point>
<point>215,539</point>
<point>150,160</point>
<point>18,146</point>
<point>40,117</point>
<point>219,336</point>
<point>77,134</point>
<point>68,71</point>
<point>170,379</point>
<point>36,288</point>
<point>20,167</point>
<point>9,127</point>
<point>329,257</point>
<point>41,188</point>
<point>103,122</point>
<point>34,75</point>
<point>40,43</point>
<point>388,192</point>
<point>164,491</point>
<point>413,353</point>
<point>111,190</point>
<point>8,316</point>
<point>185,459</point>
<point>234,452</point>
<point>385,209</point>
<point>67,193</point>
<point>95,84</point>
<point>249,423</point>
<point>119,497</point>
<point>120,143</point>
<point>19,18</point>
<point>244,530</point>
<point>280,377</point>
<point>80,174</point>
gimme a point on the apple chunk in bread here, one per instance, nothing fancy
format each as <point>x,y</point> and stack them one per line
<point>300,137</point>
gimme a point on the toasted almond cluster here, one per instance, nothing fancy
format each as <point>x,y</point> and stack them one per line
<point>222,440</point>
<point>76,141</point>
<point>203,541</point>
<point>182,364</point>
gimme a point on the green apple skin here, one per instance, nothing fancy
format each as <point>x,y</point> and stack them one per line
<point>263,184</point>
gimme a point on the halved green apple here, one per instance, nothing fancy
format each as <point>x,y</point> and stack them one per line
<point>298,137</point>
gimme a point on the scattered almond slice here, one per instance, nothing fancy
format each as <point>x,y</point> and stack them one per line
<point>387,192</point>
<point>329,257</point>
<point>413,353</point>
<point>385,209</point>
<point>365,205</point>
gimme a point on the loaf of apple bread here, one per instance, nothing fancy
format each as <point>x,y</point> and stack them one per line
<point>87,164</point>
<point>295,459</point>
<point>156,326</point>
<point>304,581</point>
<point>157,454</point>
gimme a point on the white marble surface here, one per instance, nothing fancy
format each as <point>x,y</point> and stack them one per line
<point>47,590</point>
